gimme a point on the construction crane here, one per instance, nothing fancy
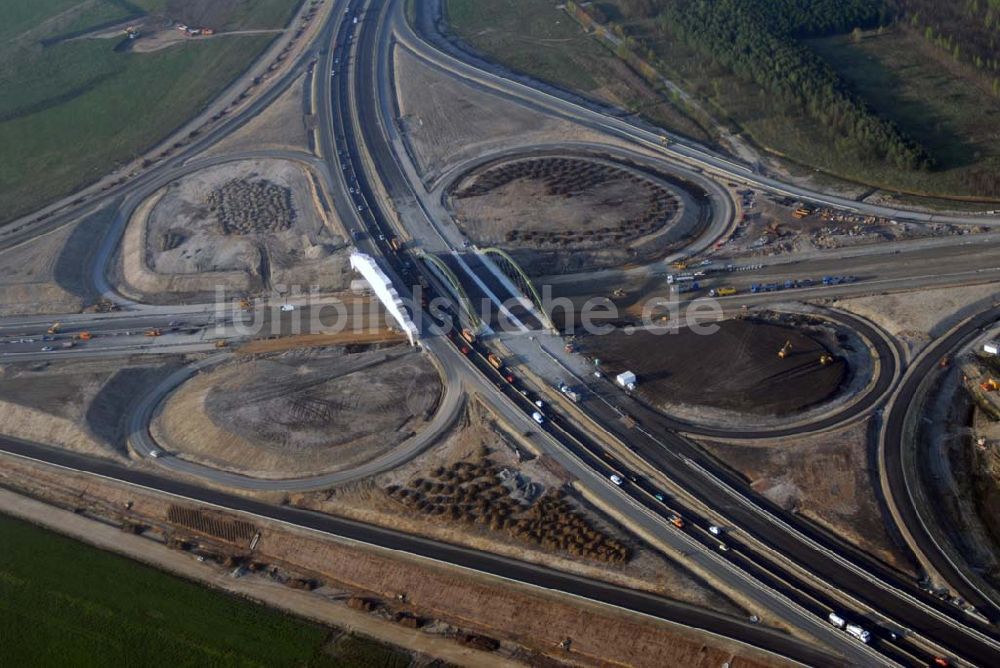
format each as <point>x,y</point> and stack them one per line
<point>785,349</point>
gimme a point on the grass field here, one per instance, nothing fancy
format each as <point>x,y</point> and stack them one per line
<point>71,110</point>
<point>63,603</point>
<point>928,96</point>
<point>938,103</point>
<point>539,39</point>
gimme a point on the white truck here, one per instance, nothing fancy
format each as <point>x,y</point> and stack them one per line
<point>627,380</point>
<point>858,632</point>
<point>836,620</point>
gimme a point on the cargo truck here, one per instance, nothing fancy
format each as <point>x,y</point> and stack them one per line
<point>858,632</point>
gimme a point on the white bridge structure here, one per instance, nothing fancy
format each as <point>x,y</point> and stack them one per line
<point>380,283</point>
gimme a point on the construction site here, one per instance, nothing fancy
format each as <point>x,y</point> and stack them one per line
<point>756,367</point>
<point>570,213</point>
<point>300,412</point>
<point>246,225</point>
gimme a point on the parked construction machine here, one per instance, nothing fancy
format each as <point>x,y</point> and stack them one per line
<point>785,349</point>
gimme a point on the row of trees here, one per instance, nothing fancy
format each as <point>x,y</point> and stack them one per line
<point>969,30</point>
<point>755,39</point>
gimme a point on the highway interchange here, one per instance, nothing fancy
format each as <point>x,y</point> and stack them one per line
<point>777,562</point>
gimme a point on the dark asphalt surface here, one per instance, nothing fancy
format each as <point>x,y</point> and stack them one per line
<point>480,561</point>
<point>894,445</point>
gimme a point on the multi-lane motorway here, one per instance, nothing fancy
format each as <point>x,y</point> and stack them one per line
<point>776,561</point>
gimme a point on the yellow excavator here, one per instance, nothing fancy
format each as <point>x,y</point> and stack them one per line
<point>785,349</point>
<point>990,385</point>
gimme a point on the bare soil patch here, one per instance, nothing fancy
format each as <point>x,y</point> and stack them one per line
<point>736,369</point>
<point>246,225</point>
<point>78,405</point>
<point>916,317</point>
<point>829,478</point>
<point>479,487</point>
<point>301,412</point>
<point>560,202</point>
<point>559,213</point>
<point>452,602</point>
<point>281,126</point>
<point>446,121</point>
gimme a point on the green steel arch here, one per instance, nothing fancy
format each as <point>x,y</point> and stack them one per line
<point>513,271</point>
<point>463,299</point>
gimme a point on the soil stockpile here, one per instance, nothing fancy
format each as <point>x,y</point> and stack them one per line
<point>735,369</point>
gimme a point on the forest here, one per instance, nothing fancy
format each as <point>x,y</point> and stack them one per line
<point>968,29</point>
<point>758,40</point>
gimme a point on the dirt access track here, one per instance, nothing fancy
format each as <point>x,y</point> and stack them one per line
<point>302,412</point>
<point>247,225</point>
<point>559,213</point>
<point>736,369</point>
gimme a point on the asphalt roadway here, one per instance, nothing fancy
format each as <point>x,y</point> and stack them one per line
<point>918,522</point>
<point>481,562</point>
<point>359,108</point>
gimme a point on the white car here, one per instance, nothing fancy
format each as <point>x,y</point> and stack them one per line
<point>617,479</point>
<point>538,417</point>
<point>287,307</point>
<point>723,547</point>
<point>714,530</point>
<point>155,454</point>
<point>47,349</point>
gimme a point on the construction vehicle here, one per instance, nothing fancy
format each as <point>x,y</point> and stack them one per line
<point>570,393</point>
<point>677,521</point>
<point>84,336</point>
<point>468,336</point>
<point>54,328</point>
<point>246,304</point>
<point>721,292</point>
<point>990,385</point>
<point>153,331</point>
<point>221,343</point>
<point>395,244</point>
<point>825,359</point>
<point>494,361</point>
<point>618,293</point>
<point>801,212</point>
<point>664,140</point>
<point>785,349</point>
<point>679,265</point>
<point>944,362</point>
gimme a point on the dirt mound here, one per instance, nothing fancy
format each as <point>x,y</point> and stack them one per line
<point>247,207</point>
<point>736,369</point>
<point>561,202</point>
<point>301,412</point>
